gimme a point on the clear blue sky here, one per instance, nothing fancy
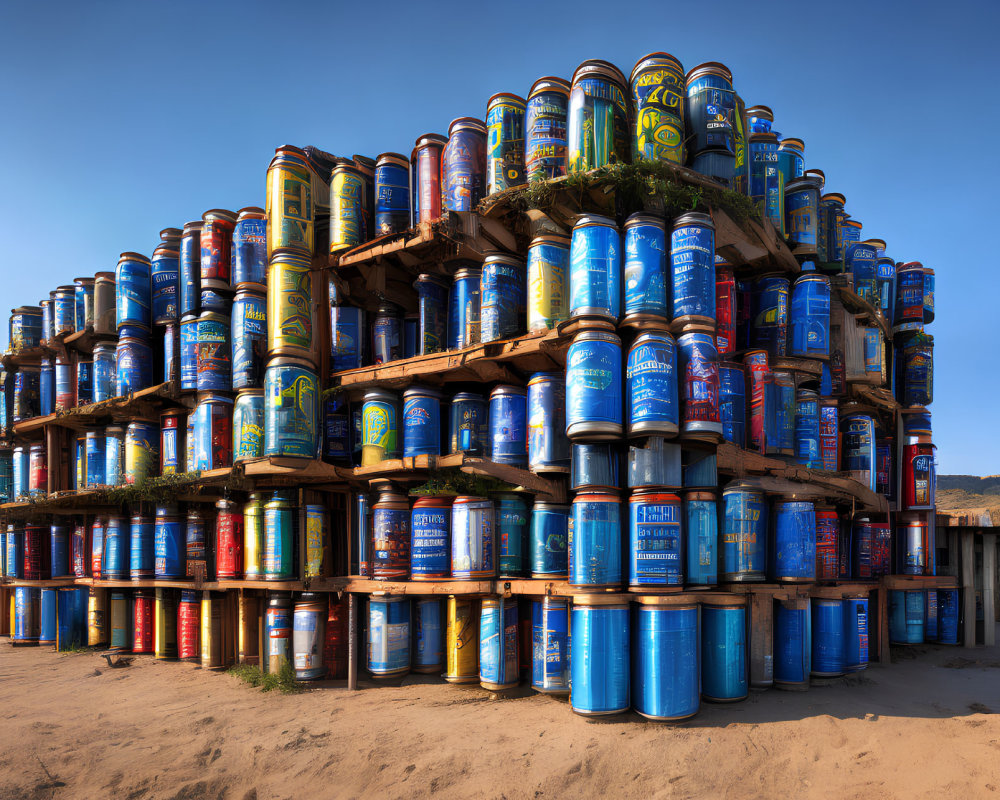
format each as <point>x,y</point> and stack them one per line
<point>122,118</point>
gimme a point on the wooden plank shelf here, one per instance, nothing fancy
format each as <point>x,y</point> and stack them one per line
<point>356,584</point>
<point>50,583</point>
<point>492,361</point>
<point>917,582</point>
<point>854,303</point>
<point>25,356</point>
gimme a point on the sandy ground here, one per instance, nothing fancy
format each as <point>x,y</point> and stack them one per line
<point>928,726</point>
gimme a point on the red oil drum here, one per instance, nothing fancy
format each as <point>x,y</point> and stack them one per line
<point>827,544</point>
<point>188,624</point>
<point>335,643</point>
<point>918,473</point>
<point>142,636</point>
<point>228,541</point>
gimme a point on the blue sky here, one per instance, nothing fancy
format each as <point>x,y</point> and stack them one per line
<point>124,118</point>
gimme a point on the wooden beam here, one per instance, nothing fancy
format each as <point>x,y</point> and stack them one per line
<point>882,623</point>
<point>989,589</point>
<point>761,616</point>
<point>352,642</point>
<point>968,589</point>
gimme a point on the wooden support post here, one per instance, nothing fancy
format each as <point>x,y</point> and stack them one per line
<point>882,623</point>
<point>352,642</point>
<point>968,588</point>
<point>54,457</point>
<point>989,586</point>
<point>953,552</point>
<point>761,607</point>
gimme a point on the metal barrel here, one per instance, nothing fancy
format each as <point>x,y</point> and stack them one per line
<point>498,642</point>
<point>421,422</point>
<point>308,635</point>
<point>429,637</point>
<point>906,617</point>
<point>792,644</point>
<point>468,424</point>
<point>169,543</point>
<point>666,671</point>
<point>48,612</point>
<point>278,633</point>
<point>502,297</point>
<point>142,622</point>
<point>548,281</point>
<point>828,643</point>
<point>793,553</point>
<point>463,165</point>
<point>744,534</point>
<point>948,613</point>
<point>511,509</point>
<point>701,535</point>
<point>189,626</point>
<point>656,544</point>
<point>462,640</point>
<point>549,540</point>
<point>856,633</point>
<point>291,395</point>
<point>599,655</point>
<point>595,558</point>
<point>724,677</point>
<point>473,538</point>
<point>505,142</point>
<point>598,132</point>
<point>391,517</point>
<point>692,260</point>
<point>550,638</point>
<point>165,625</point>
<point>388,636</point>
<point>508,426</point>
<point>651,385</point>
<point>594,387</point>
<point>430,545</point>
<point>595,269</point>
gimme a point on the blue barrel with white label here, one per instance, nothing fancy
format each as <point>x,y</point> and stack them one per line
<point>802,211</point>
<point>46,387</point>
<point>473,538</point>
<point>512,533</point>
<point>647,284</point>
<point>347,337</point>
<point>810,317</point>
<point>169,548</point>
<point>692,265</point>
<point>464,306</point>
<point>724,651</point>
<point>115,555</point>
<point>432,314</point>
<point>188,354</point>
<point>548,447</point>
<point>861,260</point>
<point>133,366</point>
<point>421,422</point>
<point>498,640</point>
<point>599,655</point>
<point>468,426</point>
<point>828,646</point>
<point>248,425</point>
<point>26,614</point>
<point>885,286</point>
<point>104,370</point>
<point>64,309</point>
<point>807,451</point>
<point>595,275</point>
<point>249,337</point>
<point>392,193</point>
<point>132,291</point>
<point>859,448</point>
<point>947,600</point>
<point>733,402</point>
<point>856,634</point>
<point>769,315</point>
<point>595,534</point>
<point>651,385</point>
<point>792,644</point>
<point>549,540</point>
<point>744,534</point>
<point>503,299</point>
<point>388,636</point>
<point>430,539</point>
<point>48,609</point>
<point>249,253</point>
<point>550,641</point>
<point>164,278</point>
<point>594,386</point>
<point>701,534</point>
<point>794,551</point>
<point>291,390</point>
<point>766,183</point>
<point>508,426</point>
<point>14,554</point>
<point>142,548</point>
<point>666,671</point>
<point>59,566</point>
<point>428,639</point>
<point>906,617</point>
<point>656,544</point>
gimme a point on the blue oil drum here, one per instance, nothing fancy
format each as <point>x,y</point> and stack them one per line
<point>594,386</point>
<point>347,337</point>
<point>549,540</point>
<point>104,371</point>
<point>291,391</point>
<point>505,142</point>
<point>647,285</point>
<point>249,337</point>
<point>463,165</point>
<point>6,480</point>
<point>651,385</point>
<point>26,614</point>
<point>362,533</point>
<point>909,304</point>
<point>170,547</point>
<point>387,335</point>
<point>744,534</point>
<point>248,425</point>
<point>545,129</point>
<point>550,665</point>
<point>850,236</point>
<point>716,164</point>
<point>388,636</point>
<point>380,415</point>
<point>48,330</point>
<point>165,282</point>
<point>548,447</point>
<point>766,184</point>
<point>666,672</point>
<point>391,518</point>
<point>14,567</point>
<point>911,536</point>
<point>430,540</point>
<point>280,527</point>
<point>701,535</point>
<point>947,616</point>
<point>59,566</point>
<point>46,388</point>
<point>508,426</point>
<point>791,160</point>
<point>710,109</point>
<point>594,466</point>
<point>698,362</point>
<point>658,89</point>
<point>432,314</point>
<point>498,640</point>
<point>656,544</point>
<point>861,260</point>
<point>810,317</point>
<point>831,217</point>
<point>132,291</point>
<point>65,383</point>
<point>392,193</point>
<point>595,271</point>
<point>807,450</point>
<point>724,652</point>
<point>64,309</point>
<point>885,287</point>
<point>598,118</point>
<point>792,644</point>
<point>142,451</point>
<point>188,354</point>
<point>308,635</point>
<point>930,616</point>
<point>548,281</point>
<point>468,426</point>
<point>464,308</point>
<point>421,422</point>
<point>249,247</point>
<point>759,119</point>
<point>25,396</point>
<point>928,295</point>
<point>733,402</point>
<point>96,554</point>
<point>48,612</point>
<point>214,353</point>
<point>337,433</point>
<point>692,264</point>
<point>801,211</point>
<point>794,550</point>
<point>142,548</point>
<point>115,560</point>
<point>599,655</point>
<point>906,617</point>
<point>512,533</point>
<point>855,634</point>
<point>828,645</point>
<point>916,358</point>
<point>770,315</point>
<point>428,646</point>
<point>595,540</point>
<point>859,448</point>
<point>133,366</point>
<point>114,455</point>
<point>189,269</point>
<point>473,538</point>
<point>503,297</point>
<point>27,326</point>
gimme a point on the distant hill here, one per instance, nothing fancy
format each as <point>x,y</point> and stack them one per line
<point>972,484</point>
<point>960,495</point>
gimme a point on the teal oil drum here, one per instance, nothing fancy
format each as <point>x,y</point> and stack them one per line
<point>666,673</point>
<point>792,646</point>
<point>724,652</point>
<point>291,391</point>
<point>599,655</point>
<point>906,617</point>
